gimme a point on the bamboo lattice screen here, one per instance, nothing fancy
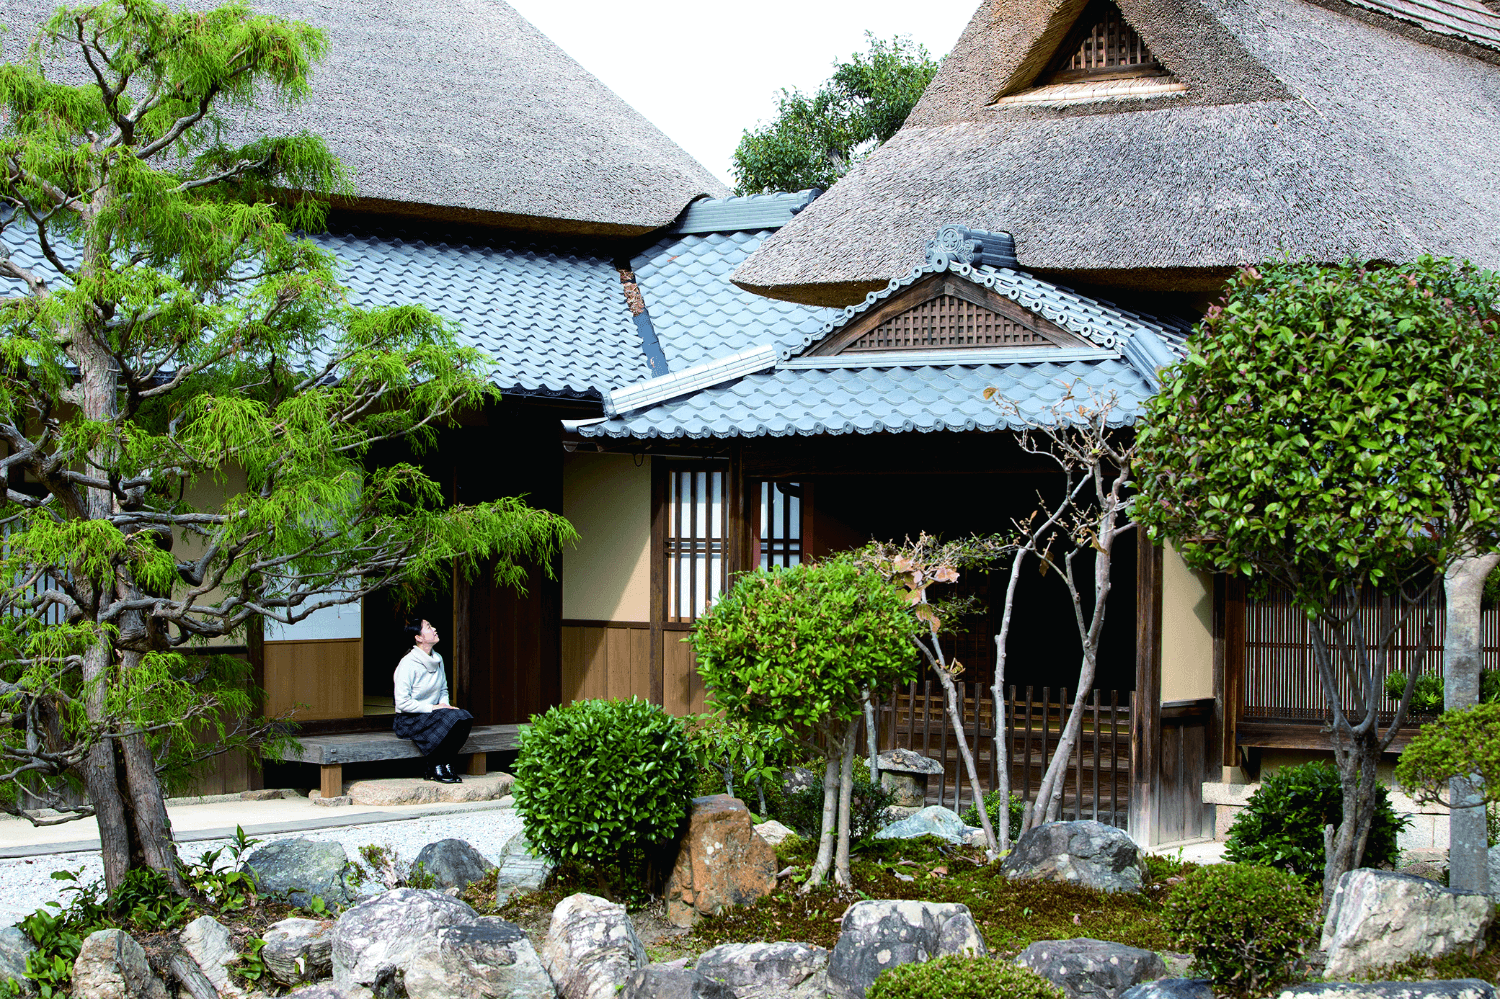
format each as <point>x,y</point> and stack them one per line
<point>948,321</point>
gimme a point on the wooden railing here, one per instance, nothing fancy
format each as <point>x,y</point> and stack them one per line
<point>1281,680</point>
<point>1097,784</point>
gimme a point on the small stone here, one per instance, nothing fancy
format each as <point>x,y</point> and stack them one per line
<point>1455,988</point>
<point>14,946</point>
<point>660,982</point>
<point>338,802</point>
<point>454,863</point>
<point>263,794</point>
<point>774,832</point>
<point>1171,988</point>
<point>299,950</point>
<point>111,965</point>
<point>208,942</point>
<point>934,820</point>
<point>1088,853</point>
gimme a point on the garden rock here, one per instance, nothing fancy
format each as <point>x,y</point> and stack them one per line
<point>519,869</point>
<point>111,965</point>
<point>1088,853</point>
<point>316,992</point>
<point>490,958</point>
<point>1380,918</point>
<point>774,832</point>
<point>387,791</point>
<point>905,773</point>
<point>299,950</point>
<point>721,862</point>
<point>659,981</point>
<point>796,780</point>
<point>934,820</point>
<point>1495,871</point>
<point>14,946</point>
<point>1453,988</point>
<point>300,868</point>
<point>207,941</point>
<point>781,970</point>
<point>454,863</point>
<point>1092,969</point>
<point>591,948</point>
<point>374,941</point>
<point>1171,988</point>
<point>881,934</point>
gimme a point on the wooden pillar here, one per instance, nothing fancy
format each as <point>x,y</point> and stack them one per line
<point>658,576</point>
<point>1145,714</point>
<point>1230,620</point>
<point>463,645</point>
<point>738,542</point>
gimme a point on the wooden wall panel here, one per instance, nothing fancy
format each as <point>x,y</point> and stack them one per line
<point>326,675</point>
<point>606,659</point>
<point>684,688</point>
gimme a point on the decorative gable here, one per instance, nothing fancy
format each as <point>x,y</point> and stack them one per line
<point>1102,46</point>
<point>946,312</point>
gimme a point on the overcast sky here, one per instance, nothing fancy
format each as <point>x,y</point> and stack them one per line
<point>705,72</point>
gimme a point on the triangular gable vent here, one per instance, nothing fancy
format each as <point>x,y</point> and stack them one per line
<point>1102,46</point>
<point>948,313</point>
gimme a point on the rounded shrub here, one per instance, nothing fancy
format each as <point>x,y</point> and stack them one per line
<point>992,808</point>
<point>1244,925</point>
<point>603,782</point>
<point>802,810</point>
<point>1282,826</point>
<point>957,977</point>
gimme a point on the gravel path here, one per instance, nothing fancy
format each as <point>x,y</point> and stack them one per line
<point>26,883</point>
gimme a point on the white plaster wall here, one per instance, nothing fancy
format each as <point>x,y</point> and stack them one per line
<point>607,499</point>
<point>1187,630</point>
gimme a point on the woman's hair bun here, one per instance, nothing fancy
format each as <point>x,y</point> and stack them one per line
<point>411,630</point>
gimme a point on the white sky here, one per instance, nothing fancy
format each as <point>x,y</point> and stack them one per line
<point>705,72</point>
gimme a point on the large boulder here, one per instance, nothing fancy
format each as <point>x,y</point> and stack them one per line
<point>781,970</point>
<point>490,958</point>
<point>661,981</point>
<point>1087,853</point>
<point>905,773</point>
<point>454,863</point>
<point>14,946</point>
<point>209,943</point>
<point>111,965</point>
<point>1453,988</point>
<point>591,948</point>
<point>1092,969</point>
<point>721,862</point>
<point>299,950</point>
<point>877,935</point>
<point>375,941</point>
<point>301,868</point>
<point>934,820</point>
<point>1380,918</point>
<point>1171,988</point>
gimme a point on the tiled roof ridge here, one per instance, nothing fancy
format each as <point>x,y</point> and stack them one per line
<point>743,212</point>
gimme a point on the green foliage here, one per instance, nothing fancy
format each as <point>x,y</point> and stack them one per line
<point>1427,691</point>
<point>992,809</point>
<point>1322,411</point>
<point>815,139</point>
<point>1457,743</point>
<point>802,810</point>
<point>738,759</point>
<point>1282,826</point>
<point>391,871</point>
<point>953,976</point>
<point>1245,925</point>
<point>251,967</point>
<point>793,649</point>
<point>604,783</point>
<point>221,470</point>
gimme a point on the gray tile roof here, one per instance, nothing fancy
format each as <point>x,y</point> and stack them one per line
<point>784,402</point>
<point>698,315</point>
<point>742,214</point>
<point>553,318</point>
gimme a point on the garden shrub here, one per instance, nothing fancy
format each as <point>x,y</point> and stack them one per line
<point>1244,925</point>
<point>738,759</point>
<point>992,807</point>
<point>606,784</point>
<point>803,810</point>
<point>1283,825</point>
<point>954,976</point>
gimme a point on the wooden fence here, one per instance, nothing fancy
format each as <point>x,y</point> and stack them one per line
<point>1281,679</point>
<point>1097,783</point>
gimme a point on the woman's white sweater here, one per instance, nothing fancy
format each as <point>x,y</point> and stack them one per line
<point>421,683</point>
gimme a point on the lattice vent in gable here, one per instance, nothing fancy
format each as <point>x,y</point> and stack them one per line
<point>945,322</point>
<point>1103,46</point>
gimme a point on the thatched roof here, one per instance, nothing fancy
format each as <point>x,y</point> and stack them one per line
<point>461,110</point>
<point>1328,130</point>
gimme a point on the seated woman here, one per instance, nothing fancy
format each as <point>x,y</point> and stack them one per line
<point>423,713</point>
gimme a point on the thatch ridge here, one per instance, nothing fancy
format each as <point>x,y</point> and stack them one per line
<point>1304,131</point>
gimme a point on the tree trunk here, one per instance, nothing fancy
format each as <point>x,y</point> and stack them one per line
<point>871,739</point>
<point>99,778</point>
<point>1357,776</point>
<point>830,818</point>
<point>950,693</point>
<point>1468,839</point>
<point>841,873</point>
<point>1002,745</point>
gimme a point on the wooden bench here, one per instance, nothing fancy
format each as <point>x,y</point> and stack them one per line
<point>331,752</point>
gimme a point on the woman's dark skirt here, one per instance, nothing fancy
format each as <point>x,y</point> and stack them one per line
<point>432,730</point>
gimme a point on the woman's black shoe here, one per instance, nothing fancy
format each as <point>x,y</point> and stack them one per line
<point>447,769</point>
<point>437,773</point>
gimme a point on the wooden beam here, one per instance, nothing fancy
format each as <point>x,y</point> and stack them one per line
<point>658,555</point>
<point>1145,716</point>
